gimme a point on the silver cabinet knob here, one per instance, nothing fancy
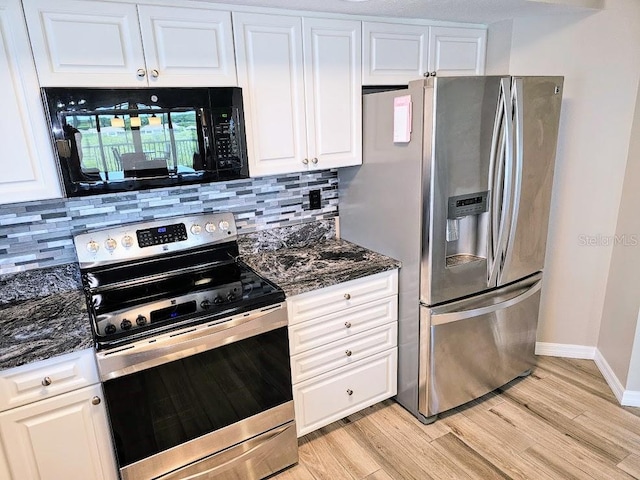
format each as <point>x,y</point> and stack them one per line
<point>46,381</point>
<point>349,392</point>
<point>305,161</point>
<point>141,72</point>
<point>314,160</point>
<point>155,73</point>
<point>348,353</point>
<point>96,400</point>
<point>347,296</point>
<point>347,324</point>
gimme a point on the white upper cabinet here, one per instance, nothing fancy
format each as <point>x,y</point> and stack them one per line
<point>187,47</point>
<point>333,89</point>
<point>27,164</point>
<point>394,54</point>
<point>301,81</point>
<point>104,44</point>
<point>457,51</point>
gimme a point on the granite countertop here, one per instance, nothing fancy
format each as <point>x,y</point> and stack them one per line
<point>301,269</point>
<point>43,312</point>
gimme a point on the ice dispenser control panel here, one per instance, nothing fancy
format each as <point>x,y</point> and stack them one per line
<point>469,204</point>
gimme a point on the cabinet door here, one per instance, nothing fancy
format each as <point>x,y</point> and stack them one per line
<point>334,395</point>
<point>270,72</point>
<point>27,164</point>
<point>79,43</point>
<point>393,54</point>
<point>187,47</point>
<point>333,82</point>
<point>457,51</point>
<point>62,437</point>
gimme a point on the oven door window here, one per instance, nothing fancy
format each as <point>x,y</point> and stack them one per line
<point>162,407</point>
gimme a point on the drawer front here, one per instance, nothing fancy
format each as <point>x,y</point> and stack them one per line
<point>327,300</point>
<point>343,352</point>
<point>47,378</point>
<point>341,325</point>
<point>332,396</point>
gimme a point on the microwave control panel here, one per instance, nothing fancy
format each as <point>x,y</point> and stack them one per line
<point>225,134</point>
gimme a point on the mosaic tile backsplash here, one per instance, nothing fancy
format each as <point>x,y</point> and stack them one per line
<point>40,234</point>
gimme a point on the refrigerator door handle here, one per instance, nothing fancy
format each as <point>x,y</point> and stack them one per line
<point>518,118</point>
<point>529,290</point>
<point>496,144</point>
<point>501,181</point>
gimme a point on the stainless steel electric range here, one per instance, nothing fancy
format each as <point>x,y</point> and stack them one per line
<point>192,350</point>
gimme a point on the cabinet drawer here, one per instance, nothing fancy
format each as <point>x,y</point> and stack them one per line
<point>343,352</point>
<point>340,325</point>
<point>28,383</point>
<point>332,396</point>
<point>339,297</point>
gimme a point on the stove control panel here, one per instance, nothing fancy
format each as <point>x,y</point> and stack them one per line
<point>173,309</point>
<point>134,241</point>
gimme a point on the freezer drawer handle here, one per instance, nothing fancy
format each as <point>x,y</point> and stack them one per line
<point>440,319</point>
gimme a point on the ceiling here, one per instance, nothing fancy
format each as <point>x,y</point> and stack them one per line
<point>475,11</point>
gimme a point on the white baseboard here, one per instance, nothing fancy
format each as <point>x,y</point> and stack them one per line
<point>631,398</point>
<point>628,398</point>
<point>607,372</point>
<point>565,350</point>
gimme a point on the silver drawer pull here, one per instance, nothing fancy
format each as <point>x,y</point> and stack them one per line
<point>348,353</point>
<point>96,400</point>
<point>347,296</point>
<point>349,392</point>
<point>46,381</point>
<point>347,324</point>
<point>155,73</point>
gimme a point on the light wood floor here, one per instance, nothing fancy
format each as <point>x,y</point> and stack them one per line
<point>561,422</point>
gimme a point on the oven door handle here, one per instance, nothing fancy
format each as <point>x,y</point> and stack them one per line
<point>189,341</point>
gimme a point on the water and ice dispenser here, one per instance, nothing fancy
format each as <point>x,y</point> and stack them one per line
<point>467,223</point>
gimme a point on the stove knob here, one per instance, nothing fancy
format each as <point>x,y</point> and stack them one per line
<point>125,324</point>
<point>196,229</point>
<point>127,241</point>
<point>141,320</point>
<point>210,227</point>
<point>93,246</point>
<point>224,225</point>
<point>231,296</point>
<point>205,304</point>
<point>109,329</point>
<point>110,244</point>
<point>218,300</point>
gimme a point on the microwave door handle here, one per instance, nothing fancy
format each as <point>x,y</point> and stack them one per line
<point>518,158</point>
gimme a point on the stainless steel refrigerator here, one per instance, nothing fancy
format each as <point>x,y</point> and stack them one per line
<point>456,184</point>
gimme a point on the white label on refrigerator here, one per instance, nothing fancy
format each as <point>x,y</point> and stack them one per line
<point>402,119</point>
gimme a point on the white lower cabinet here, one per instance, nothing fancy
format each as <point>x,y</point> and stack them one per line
<point>343,357</point>
<point>60,436</point>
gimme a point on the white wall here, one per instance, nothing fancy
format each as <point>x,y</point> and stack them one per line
<point>619,327</point>
<point>598,55</point>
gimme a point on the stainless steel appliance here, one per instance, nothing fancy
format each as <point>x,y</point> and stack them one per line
<point>121,139</point>
<point>192,349</point>
<point>461,198</point>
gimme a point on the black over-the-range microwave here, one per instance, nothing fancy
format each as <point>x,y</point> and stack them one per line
<point>122,139</point>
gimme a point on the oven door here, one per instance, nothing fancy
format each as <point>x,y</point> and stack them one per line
<point>181,400</point>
